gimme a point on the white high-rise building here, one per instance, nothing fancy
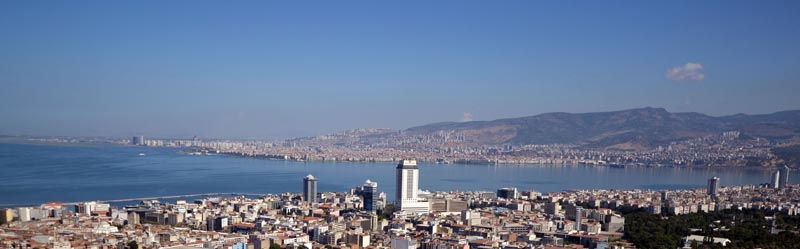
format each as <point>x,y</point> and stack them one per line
<point>784,177</point>
<point>24,214</point>
<point>408,187</point>
<point>776,179</point>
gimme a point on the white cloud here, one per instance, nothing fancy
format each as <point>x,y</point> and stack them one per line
<point>689,72</point>
<point>467,117</point>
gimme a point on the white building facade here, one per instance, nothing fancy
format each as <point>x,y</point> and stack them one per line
<point>408,188</point>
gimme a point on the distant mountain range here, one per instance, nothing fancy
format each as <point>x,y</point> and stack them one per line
<point>628,129</point>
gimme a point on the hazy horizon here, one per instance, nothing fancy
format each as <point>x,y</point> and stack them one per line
<point>188,136</point>
<point>256,70</point>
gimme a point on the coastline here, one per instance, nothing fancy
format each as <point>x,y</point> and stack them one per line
<point>279,157</point>
<point>489,162</point>
<point>255,173</point>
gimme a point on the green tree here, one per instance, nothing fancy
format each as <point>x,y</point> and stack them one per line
<point>745,228</point>
<point>387,212</point>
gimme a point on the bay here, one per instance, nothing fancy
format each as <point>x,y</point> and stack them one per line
<point>39,173</point>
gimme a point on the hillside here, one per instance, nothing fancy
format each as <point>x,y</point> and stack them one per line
<point>627,129</point>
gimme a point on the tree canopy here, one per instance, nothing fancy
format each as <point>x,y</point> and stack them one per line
<point>746,229</point>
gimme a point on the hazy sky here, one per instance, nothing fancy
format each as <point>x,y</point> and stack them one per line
<point>285,68</point>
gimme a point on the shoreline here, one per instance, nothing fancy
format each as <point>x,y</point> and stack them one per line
<point>487,163</point>
<point>437,161</point>
<point>135,199</point>
<point>287,158</point>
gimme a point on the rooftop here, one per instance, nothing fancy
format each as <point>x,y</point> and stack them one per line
<point>407,164</point>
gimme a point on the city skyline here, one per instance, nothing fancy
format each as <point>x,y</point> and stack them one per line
<point>450,124</point>
<point>592,218</point>
<point>277,70</point>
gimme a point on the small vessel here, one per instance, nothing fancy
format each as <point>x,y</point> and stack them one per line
<point>141,154</point>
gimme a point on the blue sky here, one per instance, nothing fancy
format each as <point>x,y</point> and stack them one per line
<point>257,69</point>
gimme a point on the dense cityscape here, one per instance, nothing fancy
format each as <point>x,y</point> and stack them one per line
<point>400,124</point>
<point>364,218</point>
<point>726,149</point>
<point>720,150</point>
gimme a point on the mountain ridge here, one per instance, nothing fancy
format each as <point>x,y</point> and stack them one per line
<point>633,128</point>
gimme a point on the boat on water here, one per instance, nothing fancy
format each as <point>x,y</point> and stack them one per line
<point>142,154</point>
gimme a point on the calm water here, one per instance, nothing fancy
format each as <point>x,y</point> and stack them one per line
<point>37,173</point>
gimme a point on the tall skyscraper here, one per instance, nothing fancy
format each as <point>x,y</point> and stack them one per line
<point>407,180</point>
<point>310,189</point>
<point>784,176</point>
<point>137,140</point>
<point>370,194</point>
<point>776,179</point>
<point>713,186</point>
<point>407,188</point>
<point>578,218</point>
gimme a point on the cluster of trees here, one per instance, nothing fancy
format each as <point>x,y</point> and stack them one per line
<point>745,228</point>
<point>387,212</point>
